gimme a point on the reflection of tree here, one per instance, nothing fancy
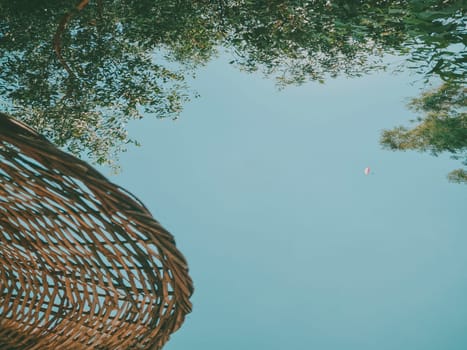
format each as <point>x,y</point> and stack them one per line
<point>437,38</point>
<point>437,46</point>
<point>298,41</point>
<point>113,60</point>
<point>105,73</point>
<point>443,128</point>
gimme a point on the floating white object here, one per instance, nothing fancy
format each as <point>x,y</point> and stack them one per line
<point>367,171</point>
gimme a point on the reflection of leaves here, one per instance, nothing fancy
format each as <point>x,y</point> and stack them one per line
<point>458,176</point>
<point>443,128</point>
<point>129,58</point>
<point>438,38</point>
<point>309,40</point>
<point>113,81</point>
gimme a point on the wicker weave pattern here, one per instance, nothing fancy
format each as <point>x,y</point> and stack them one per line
<point>83,265</point>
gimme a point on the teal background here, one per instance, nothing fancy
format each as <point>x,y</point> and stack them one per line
<point>290,245</point>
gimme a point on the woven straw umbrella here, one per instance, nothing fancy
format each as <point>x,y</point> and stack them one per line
<point>83,264</point>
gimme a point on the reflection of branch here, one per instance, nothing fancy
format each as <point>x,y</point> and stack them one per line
<point>99,12</point>
<point>100,7</point>
<point>57,42</point>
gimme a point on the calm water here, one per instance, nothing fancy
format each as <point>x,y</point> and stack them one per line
<point>290,245</point>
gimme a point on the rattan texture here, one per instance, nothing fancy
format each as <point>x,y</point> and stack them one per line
<point>83,264</point>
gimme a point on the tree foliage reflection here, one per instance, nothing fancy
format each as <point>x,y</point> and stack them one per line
<point>79,72</point>
<point>437,49</point>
